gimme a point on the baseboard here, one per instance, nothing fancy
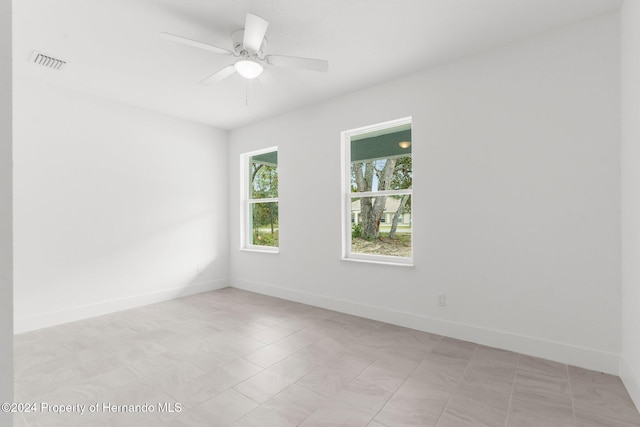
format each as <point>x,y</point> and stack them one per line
<point>631,380</point>
<point>25,324</point>
<point>565,353</point>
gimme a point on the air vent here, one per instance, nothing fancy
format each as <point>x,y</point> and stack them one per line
<point>47,61</point>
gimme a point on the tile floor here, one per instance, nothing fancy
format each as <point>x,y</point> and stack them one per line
<point>231,357</point>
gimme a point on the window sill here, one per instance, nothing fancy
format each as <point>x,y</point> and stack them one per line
<point>262,250</point>
<point>380,262</point>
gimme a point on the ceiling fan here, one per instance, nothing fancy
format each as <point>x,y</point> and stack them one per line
<point>247,48</point>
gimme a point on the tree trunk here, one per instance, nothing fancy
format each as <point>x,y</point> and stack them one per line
<point>256,168</point>
<point>384,182</point>
<point>396,216</point>
<point>372,210</point>
<point>364,181</point>
<point>368,218</point>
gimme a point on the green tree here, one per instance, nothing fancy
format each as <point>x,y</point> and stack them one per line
<point>391,174</point>
<point>264,184</point>
<point>402,179</point>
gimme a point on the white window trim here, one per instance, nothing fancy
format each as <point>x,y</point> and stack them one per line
<point>246,201</point>
<point>347,255</point>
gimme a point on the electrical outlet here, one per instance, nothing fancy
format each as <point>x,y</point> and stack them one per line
<point>441,300</point>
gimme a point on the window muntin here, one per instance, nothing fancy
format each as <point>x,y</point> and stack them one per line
<point>378,189</point>
<point>260,202</point>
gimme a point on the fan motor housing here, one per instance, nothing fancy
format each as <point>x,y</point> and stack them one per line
<point>237,37</point>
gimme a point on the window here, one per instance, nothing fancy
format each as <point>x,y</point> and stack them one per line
<point>260,229</point>
<point>377,193</point>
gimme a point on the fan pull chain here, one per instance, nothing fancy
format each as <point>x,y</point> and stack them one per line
<point>249,86</point>
<point>246,93</point>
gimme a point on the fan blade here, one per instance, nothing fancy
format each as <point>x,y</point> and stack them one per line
<point>193,43</point>
<point>297,62</point>
<point>220,75</point>
<point>254,30</point>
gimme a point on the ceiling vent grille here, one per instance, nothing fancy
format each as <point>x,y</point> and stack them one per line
<point>48,61</point>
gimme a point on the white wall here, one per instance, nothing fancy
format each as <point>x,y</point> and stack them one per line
<point>115,207</point>
<point>630,154</point>
<point>517,200</point>
<point>6,239</point>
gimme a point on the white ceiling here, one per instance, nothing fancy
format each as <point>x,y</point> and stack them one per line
<point>113,48</point>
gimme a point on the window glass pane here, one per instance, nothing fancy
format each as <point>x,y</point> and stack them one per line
<point>381,225</point>
<point>264,224</point>
<point>263,176</point>
<point>381,174</point>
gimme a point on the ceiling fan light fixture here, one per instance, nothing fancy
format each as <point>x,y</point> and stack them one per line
<point>248,69</point>
<point>247,48</point>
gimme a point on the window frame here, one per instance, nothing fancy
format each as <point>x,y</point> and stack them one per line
<point>246,201</point>
<point>347,195</point>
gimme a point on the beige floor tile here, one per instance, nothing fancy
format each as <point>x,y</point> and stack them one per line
<point>271,354</point>
<point>241,347</point>
<point>188,419</point>
<point>529,412</point>
<point>164,372</point>
<point>540,400</point>
<point>305,337</point>
<point>492,364</point>
<point>322,351</point>
<point>492,353</point>
<point>388,374</point>
<point>475,415</point>
<point>495,394</point>
<point>490,370</point>
<point>460,347</point>
<point>43,381</point>
<point>225,408</point>
<point>288,408</point>
<point>438,373</point>
<point>235,357</point>
<point>393,343</point>
<point>329,379</point>
<point>585,375</point>
<point>212,383</point>
<point>477,404</point>
<point>414,404</point>
<point>596,419</point>
<point>354,405</point>
<point>271,381</point>
<point>247,329</point>
<point>542,366</point>
<point>543,387</point>
<point>272,334</point>
<point>454,355</point>
<point>214,355</point>
<point>611,401</point>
